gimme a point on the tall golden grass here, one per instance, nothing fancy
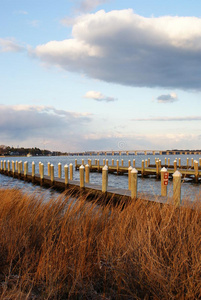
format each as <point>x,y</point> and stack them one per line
<point>66,249</point>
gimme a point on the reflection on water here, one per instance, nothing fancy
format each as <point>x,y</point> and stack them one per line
<point>149,185</point>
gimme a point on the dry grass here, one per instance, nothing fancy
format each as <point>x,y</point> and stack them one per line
<point>58,250</point>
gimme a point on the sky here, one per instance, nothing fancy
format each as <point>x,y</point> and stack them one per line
<point>100,74</point>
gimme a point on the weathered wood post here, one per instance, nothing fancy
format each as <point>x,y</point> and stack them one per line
<point>1,165</point>
<point>104,179</point>
<point>25,168</point>
<point>168,162</point>
<point>177,188</point>
<point>129,163</point>
<point>98,164</point>
<point>117,166</point>
<point>87,173</point>
<point>160,163</point>
<point>103,161</point>
<point>16,165</point>
<point>196,170</point>
<point>33,171</point>
<point>200,162</point>
<point>157,169</point>
<point>112,162</point>
<point>75,164</point>
<point>165,161</point>
<point>82,176</point>
<point>142,169</point>
<point>129,177</point>
<point>122,162</point>
<point>5,167</point>
<point>192,163</point>
<point>187,162</point>
<point>134,173</point>
<point>8,162</point>
<point>95,162</point>
<point>83,162</point>
<point>175,165</point>
<point>179,162</point>
<point>90,164</point>
<point>52,173</point>
<point>71,171</point>
<point>164,182</point>
<point>19,168</point>
<point>13,167</point>
<point>59,170</point>
<point>41,173</point>
<point>66,175</point>
<point>106,162</point>
<point>39,165</point>
<point>133,163</point>
<point>49,169</point>
<point>148,162</point>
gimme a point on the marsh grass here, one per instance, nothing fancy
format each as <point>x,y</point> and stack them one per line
<point>64,249</point>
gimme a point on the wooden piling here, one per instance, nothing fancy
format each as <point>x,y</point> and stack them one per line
<point>71,171</point>
<point>142,169</point>
<point>104,179</point>
<point>177,188</point>
<point>59,170</point>
<point>129,177</point>
<point>42,172</point>
<point>187,162</point>
<point>133,163</point>
<point>175,165</point>
<point>163,182</point>
<point>134,173</point>
<point>49,169</point>
<point>87,173</point>
<point>52,173</point>
<point>82,176</point>
<point>196,170</point>
<point>33,170</point>
<point>66,175</point>
<point>8,163</point>
<point>113,162</point>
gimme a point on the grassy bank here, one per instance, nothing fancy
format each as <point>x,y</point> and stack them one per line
<point>58,250</point>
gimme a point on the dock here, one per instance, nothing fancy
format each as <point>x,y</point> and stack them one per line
<point>193,173</point>
<point>93,190</point>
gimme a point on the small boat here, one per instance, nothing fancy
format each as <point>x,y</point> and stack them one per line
<point>29,155</point>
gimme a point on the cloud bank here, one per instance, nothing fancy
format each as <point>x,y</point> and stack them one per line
<point>99,96</point>
<point>170,119</point>
<point>125,48</point>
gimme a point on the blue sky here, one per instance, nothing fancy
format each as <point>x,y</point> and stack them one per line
<point>100,75</point>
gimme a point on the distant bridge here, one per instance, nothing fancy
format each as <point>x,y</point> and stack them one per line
<point>136,152</point>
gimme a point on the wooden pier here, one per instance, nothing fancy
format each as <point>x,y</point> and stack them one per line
<point>93,190</point>
<point>191,172</point>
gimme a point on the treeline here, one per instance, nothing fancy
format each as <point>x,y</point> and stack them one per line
<point>12,151</point>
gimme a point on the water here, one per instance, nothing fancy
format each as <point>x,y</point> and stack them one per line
<point>148,185</point>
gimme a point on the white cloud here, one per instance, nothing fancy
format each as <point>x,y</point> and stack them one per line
<point>169,98</point>
<point>21,12</point>
<point>10,45</point>
<point>170,119</point>
<point>125,48</point>
<point>89,5</point>
<point>99,96</point>
<point>34,23</point>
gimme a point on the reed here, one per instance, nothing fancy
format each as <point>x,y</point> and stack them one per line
<point>74,249</point>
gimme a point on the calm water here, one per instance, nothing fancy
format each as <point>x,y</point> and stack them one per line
<point>150,185</point>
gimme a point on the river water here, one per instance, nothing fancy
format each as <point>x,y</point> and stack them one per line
<point>148,185</point>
